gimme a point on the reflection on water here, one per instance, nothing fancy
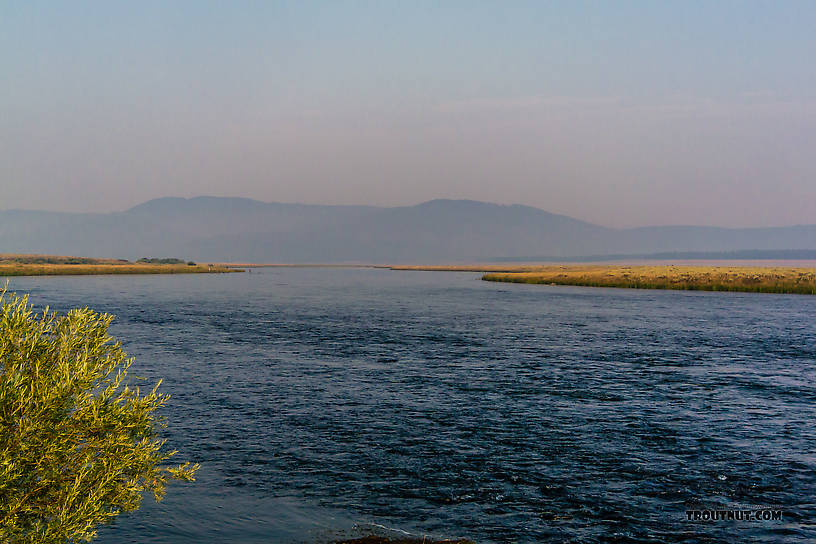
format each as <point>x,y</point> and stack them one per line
<point>434,403</point>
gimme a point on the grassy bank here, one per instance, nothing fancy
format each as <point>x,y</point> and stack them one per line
<point>702,278</point>
<point>53,265</point>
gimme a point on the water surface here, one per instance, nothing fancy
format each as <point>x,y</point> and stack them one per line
<point>434,403</point>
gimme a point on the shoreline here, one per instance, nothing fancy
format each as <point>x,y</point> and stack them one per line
<point>38,264</point>
<point>18,270</point>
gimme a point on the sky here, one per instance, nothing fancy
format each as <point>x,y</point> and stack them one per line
<point>620,113</point>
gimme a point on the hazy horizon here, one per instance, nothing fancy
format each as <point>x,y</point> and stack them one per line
<point>623,115</point>
<point>123,210</point>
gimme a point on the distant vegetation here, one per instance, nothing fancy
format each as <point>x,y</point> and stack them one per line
<point>53,265</point>
<point>154,260</point>
<point>703,278</point>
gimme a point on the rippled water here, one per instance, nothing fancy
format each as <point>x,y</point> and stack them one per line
<point>434,403</point>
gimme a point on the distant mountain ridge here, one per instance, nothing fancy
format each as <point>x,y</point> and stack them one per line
<point>240,229</point>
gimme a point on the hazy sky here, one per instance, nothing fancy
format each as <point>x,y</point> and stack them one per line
<point>620,113</point>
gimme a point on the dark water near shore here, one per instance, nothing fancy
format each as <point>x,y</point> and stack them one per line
<point>434,403</point>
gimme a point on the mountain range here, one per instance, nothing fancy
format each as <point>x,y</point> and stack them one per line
<point>244,230</point>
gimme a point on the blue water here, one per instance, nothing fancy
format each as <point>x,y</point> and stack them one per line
<point>327,402</point>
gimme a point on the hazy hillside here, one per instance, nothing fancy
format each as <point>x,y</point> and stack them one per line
<point>222,229</point>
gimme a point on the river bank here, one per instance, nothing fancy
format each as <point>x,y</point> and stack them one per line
<point>755,278</point>
<point>54,265</point>
<point>697,278</point>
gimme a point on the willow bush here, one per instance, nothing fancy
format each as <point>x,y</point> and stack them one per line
<point>78,445</point>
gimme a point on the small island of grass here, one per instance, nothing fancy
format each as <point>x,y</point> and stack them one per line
<point>56,265</point>
<point>754,279</point>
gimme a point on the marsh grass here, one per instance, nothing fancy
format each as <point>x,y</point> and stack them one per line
<point>52,265</point>
<point>701,278</point>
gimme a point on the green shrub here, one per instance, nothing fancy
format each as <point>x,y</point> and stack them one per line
<point>78,444</point>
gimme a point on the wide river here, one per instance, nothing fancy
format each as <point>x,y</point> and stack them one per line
<point>329,402</point>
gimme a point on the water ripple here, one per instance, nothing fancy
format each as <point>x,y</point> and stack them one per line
<point>319,400</point>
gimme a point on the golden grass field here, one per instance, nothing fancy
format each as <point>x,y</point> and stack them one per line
<point>703,278</point>
<point>54,265</point>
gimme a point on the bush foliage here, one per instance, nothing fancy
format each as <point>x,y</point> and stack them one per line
<point>78,445</point>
